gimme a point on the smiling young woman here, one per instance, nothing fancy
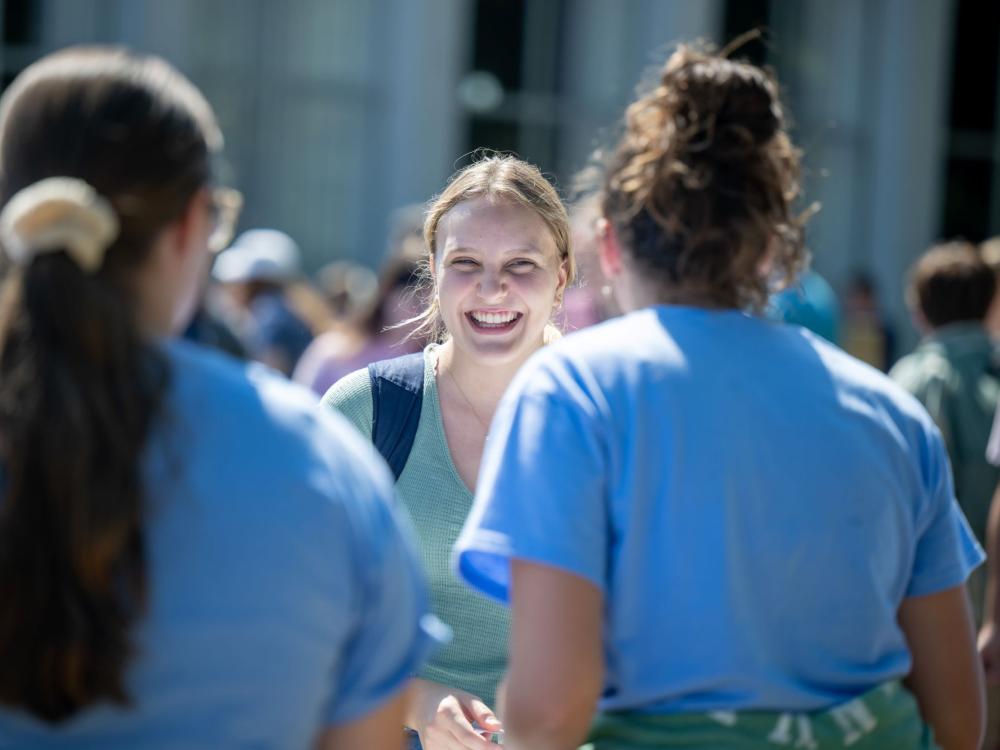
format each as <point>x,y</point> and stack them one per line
<point>499,260</point>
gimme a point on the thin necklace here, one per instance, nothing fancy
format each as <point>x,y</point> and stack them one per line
<point>471,407</point>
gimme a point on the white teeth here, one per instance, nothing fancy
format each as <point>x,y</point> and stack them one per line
<point>493,319</point>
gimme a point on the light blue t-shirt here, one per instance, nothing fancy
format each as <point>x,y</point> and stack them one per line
<point>284,597</point>
<point>753,503</point>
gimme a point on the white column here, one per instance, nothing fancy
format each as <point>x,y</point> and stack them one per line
<point>610,44</point>
<point>824,56</point>
<point>909,112</point>
<point>867,87</point>
<point>420,54</point>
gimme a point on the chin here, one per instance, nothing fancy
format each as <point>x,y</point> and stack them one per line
<point>497,354</point>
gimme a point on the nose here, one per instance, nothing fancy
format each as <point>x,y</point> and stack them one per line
<point>492,286</point>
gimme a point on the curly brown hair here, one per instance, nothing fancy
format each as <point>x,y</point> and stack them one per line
<point>701,186</point>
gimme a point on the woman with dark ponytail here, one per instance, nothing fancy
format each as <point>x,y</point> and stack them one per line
<point>158,588</point>
<point>715,530</point>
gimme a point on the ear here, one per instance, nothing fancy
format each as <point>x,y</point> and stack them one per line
<point>609,251</point>
<point>562,279</point>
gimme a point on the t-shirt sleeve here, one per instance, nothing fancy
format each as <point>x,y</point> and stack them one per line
<point>946,549</point>
<point>542,486</point>
<point>352,397</point>
<point>394,632</point>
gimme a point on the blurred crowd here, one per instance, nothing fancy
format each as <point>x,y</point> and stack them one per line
<point>259,304</point>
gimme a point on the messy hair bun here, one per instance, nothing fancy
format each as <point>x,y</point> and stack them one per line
<point>701,184</point>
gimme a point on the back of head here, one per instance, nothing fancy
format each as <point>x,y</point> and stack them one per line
<point>701,184</point>
<point>952,283</point>
<point>80,384</point>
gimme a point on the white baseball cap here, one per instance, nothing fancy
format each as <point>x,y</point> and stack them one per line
<point>259,255</point>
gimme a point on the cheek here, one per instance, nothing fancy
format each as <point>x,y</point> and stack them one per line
<point>540,288</point>
<point>451,288</point>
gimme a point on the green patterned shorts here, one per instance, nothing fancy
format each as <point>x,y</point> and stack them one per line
<point>885,718</point>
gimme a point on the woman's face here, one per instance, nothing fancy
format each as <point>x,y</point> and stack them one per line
<point>498,276</point>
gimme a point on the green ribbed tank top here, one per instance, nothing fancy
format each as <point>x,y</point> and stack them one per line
<point>438,503</point>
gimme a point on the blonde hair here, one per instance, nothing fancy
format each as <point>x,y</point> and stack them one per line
<point>500,178</point>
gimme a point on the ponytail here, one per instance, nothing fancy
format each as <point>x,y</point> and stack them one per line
<point>81,383</point>
<point>79,390</point>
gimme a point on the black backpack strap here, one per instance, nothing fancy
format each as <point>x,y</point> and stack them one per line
<point>397,396</point>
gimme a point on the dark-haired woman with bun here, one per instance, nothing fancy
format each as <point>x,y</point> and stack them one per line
<point>190,555</point>
<point>715,530</point>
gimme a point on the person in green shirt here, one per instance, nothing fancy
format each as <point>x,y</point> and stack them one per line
<point>954,371</point>
<point>499,260</point>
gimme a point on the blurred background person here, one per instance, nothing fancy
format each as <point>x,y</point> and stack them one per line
<point>587,301</point>
<point>209,329</point>
<point>810,303</point>
<point>256,274</point>
<point>348,286</point>
<point>210,326</point>
<point>866,333</point>
<point>954,371</point>
<point>375,329</point>
<point>376,333</point>
<point>190,555</point>
<point>712,529</point>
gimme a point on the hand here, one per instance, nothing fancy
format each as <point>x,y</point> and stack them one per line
<point>443,718</point>
<point>989,652</point>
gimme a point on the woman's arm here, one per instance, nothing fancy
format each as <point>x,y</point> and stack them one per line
<point>382,729</point>
<point>556,661</point>
<point>946,677</point>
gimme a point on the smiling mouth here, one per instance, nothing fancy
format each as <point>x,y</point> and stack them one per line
<point>493,322</point>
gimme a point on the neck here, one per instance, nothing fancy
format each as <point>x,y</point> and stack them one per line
<point>482,385</point>
<point>154,314</point>
<point>634,293</point>
<point>156,287</point>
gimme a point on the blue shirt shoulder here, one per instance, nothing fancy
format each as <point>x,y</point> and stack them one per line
<point>285,591</point>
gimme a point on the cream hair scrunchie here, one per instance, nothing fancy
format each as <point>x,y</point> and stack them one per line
<point>58,213</point>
